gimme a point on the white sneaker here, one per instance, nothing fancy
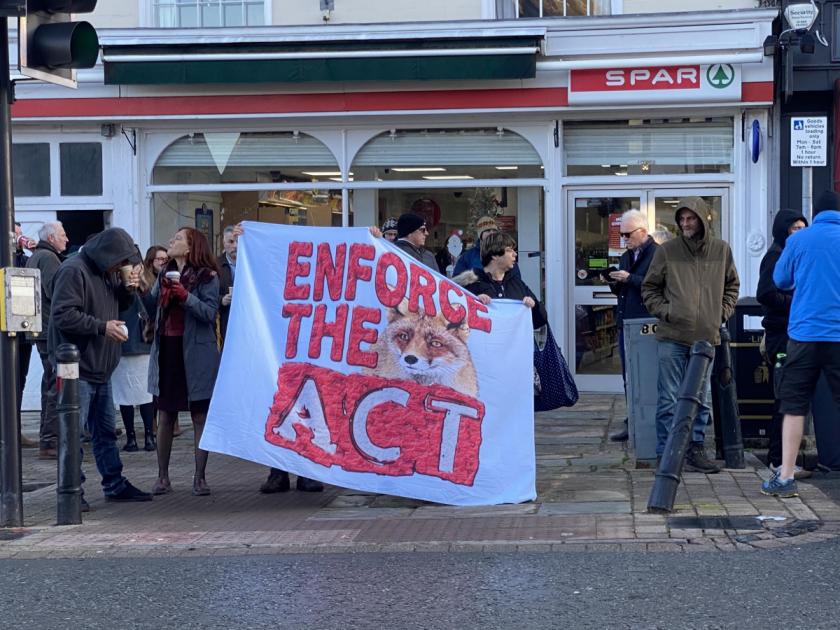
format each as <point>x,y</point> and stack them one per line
<point>798,471</point>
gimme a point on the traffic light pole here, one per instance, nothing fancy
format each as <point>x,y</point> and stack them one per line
<point>11,494</point>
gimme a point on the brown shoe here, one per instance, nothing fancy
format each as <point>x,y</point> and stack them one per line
<point>47,453</point>
<point>28,442</point>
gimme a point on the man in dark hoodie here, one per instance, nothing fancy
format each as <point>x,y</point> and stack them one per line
<point>87,298</point>
<point>692,287</point>
<point>776,307</point>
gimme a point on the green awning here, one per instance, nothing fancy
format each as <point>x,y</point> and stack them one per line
<point>447,60</point>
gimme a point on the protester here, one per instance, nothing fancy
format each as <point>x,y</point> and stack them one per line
<point>389,229</point>
<point>153,263</point>
<point>47,258</point>
<point>470,258</point>
<point>86,299</point>
<point>776,307</point>
<point>185,351</point>
<point>19,258</point>
<point>130,379</point>
<point>809,263</point>
<point>227,273</point>
<point>626,283</point>
<point>411,238</point>
<point>497,280</point>
<point>692,287</point>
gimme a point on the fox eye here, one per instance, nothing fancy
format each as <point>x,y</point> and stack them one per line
<point>403,336</point>
<point>434,343</point>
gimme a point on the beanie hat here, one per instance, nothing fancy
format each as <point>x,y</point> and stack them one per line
<point>390,224</point>
<point>408,223</point>
<point>485,223</point>
<point>829,200</point>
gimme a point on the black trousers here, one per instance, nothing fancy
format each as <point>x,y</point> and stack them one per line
<point>775,343</point>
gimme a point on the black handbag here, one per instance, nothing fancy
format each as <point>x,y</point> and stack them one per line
<point>557,387</point>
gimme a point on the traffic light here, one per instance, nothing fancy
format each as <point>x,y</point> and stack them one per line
<point>51,46</point>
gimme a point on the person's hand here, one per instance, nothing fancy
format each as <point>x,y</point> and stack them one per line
<point>620,276</point>
<point>238,230</point>
<point>375,231</point>
<point>529,301</point>
<point>178,292</point>
<point>484,298</point>
<point>30,244</point>
<point>134,276</point>
<point>115,330</point>
<point>227,298</point>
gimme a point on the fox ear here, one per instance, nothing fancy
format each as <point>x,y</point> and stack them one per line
<point>461,330</point>
<point>398,312</point>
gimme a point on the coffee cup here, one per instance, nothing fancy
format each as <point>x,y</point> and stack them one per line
<point>230,290</point>
<point>125,274</point>
<point>173,276</point>
<point>124,329</point>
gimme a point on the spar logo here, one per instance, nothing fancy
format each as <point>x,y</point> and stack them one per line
<point>720,75</point>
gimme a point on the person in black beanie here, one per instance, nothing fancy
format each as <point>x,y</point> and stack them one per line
<point>411,238</point>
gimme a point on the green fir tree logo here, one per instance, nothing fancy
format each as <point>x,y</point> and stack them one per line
<point>720,75</point>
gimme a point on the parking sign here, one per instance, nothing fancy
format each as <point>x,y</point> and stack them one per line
<point>808,141</point>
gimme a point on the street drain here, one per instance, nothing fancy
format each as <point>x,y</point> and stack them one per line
<point>714,522</point>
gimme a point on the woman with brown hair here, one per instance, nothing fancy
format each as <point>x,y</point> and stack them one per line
<point>185,349</point>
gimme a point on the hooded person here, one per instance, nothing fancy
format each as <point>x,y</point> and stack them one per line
<point>88,295</point>
<point>776,307</point>
<point>692,288</point>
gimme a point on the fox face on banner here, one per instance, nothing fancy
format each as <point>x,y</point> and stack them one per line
<point>387,376</point>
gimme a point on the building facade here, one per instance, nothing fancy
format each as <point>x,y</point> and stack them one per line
<point>554,125</point>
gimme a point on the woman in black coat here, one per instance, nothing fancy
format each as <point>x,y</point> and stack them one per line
<point>496,280</point>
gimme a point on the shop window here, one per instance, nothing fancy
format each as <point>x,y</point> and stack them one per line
<point>649,147</point>
<point>557,8</point>
<point>31,169</point>
<point>81,169</point>
<point>208,13</point>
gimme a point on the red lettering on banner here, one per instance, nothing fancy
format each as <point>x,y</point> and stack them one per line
<point>390,296</point>
<point>296,269</point>
<point>422,285</point>
<point>364,423</point>
<point>474,319</point>
<point>358,333</point>
<point>454,313</point>
<point>356,270</point>
<point>295,312</point>
<point>624,79</point>
<point>329,272</point>
<point>321,328</point>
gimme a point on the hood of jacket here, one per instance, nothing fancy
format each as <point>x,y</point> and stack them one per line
<point>110,248</point>
<point>699,208</point>
<point>782,223</point>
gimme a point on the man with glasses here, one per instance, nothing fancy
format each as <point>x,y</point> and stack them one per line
<point>691,287</point>
<point>626,283</point>
<point>411,238</point>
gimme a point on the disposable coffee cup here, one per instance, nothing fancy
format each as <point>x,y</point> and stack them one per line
<point>125,274</point>
<point>173,276</point>
<point>124,329</point>
<point>230,290</point>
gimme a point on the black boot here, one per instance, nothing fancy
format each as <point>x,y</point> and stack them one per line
<point>149,442</point>
<point>278,481</point>
<point>127,413</point>
<point>130,442</point>
<point>309,485</point>
<point>147,412</point>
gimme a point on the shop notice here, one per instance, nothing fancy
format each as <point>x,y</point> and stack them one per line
<point>808,141</point>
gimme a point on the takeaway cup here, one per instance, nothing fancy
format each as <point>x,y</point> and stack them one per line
<point>125,274</point>
<point>173,276</point>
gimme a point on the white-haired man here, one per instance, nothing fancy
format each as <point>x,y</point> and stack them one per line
<point>626,283</point>
<point>47,257</point>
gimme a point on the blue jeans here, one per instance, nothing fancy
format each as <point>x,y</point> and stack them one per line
<point>96,412</point>
<point>673,360</point>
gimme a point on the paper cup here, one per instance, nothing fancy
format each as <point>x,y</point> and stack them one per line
<point>125,274</point>
<point>173,276</point>
<point>124,329</point>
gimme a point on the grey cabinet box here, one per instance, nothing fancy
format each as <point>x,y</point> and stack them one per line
<point>642,371</point>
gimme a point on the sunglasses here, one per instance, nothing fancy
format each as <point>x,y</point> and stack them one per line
<point>424,229</point>
<point>630,233</point>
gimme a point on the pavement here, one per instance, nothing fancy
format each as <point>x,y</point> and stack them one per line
<point>591,497</point>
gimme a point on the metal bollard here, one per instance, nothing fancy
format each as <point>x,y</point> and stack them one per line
<point>725,403</point>
<point>667,480</point>
<point>69,490</point>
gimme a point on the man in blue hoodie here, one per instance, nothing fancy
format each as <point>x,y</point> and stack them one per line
<point>809,264</point>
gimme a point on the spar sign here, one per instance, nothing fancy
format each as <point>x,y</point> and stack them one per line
<point>655,84</point>
<point>349,362</point>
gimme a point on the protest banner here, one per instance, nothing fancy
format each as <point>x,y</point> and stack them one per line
<point>349,362</point>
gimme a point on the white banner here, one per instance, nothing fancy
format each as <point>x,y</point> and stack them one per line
<point>349,362</point>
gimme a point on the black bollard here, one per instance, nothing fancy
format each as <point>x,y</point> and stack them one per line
<point>667,480</point>
<point>725,403</point>
<point>69,490</point>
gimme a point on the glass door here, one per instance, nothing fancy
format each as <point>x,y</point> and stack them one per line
<point>595,217</point>
<point>663,207</point>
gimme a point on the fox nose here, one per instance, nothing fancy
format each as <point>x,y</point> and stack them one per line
<point>411,359</point>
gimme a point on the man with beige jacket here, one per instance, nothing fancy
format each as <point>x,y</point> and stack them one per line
<point>692,287</point>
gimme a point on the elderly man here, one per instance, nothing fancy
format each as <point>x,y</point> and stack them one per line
<point>626,283</point>
<point>692,287</point>
<point>227,274</point>
<point>411,238</point>
<point>47,257</point>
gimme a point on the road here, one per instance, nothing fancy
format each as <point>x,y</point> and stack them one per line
<point>791,588</point>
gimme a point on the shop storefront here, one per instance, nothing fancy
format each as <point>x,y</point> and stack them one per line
<point>555,144</point>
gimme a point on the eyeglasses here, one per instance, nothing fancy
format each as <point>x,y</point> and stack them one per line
<point>424,229</point>
<point>630,233</point>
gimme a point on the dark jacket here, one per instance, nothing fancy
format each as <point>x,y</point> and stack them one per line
<point>135,316</point>
<point>19,258</point>
<point>630,303</point>
<point>46,259</point>
<point>418,253</point>
<point>511,287</point>
<point>201,346</point>
<point>692,287</point>
<point>776,303</point>
<point>86,296</point>
<point>225,282</point>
